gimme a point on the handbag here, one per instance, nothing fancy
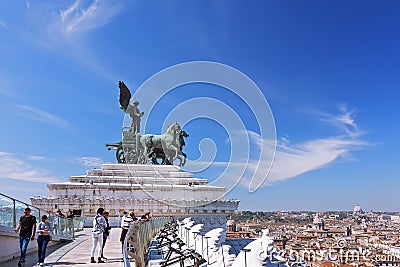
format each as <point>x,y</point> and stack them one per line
<point>97,233</point>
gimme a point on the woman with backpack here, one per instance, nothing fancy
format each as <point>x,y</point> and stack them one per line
<point>99,224</point>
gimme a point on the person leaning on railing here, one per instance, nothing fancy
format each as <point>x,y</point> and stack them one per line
<point>146,217</point>
<point>127,219</point>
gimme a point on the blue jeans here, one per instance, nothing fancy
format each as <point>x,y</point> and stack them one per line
<point>42,241</point>
<point>23,244</point>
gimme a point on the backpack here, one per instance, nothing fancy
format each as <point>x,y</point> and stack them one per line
<point>97,231</point>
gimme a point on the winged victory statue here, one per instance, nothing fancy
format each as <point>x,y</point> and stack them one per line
<point>137,148</point>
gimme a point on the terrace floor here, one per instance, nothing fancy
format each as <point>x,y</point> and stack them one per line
<point>77,252</point>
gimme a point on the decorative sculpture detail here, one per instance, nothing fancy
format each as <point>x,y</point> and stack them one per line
<point>137,148</point>
<point>132,110</point>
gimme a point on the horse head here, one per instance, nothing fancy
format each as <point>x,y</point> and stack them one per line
<point>184,134</point>
<point>174,129</point>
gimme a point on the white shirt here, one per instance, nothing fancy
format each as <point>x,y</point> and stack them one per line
<point>126,221</point>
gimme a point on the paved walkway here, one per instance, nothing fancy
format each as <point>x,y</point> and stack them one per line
<point>77,252</point>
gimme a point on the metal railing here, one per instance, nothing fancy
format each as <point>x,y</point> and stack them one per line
<point>11,210</point>
<point>138,239</point>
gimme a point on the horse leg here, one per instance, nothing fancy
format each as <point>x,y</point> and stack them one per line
<point>145,152</point>
<point>179,156</point>
<point>151,153</point>
<point>180,161</point>
<point>166,160</point>
<point>154,161</point>
<point>175,149</point>
<point>171,158</point>
<point>184,158</point>
<point>154,158</point>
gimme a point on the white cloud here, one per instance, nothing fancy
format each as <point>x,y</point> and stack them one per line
<point>292,160</point>
<point>80,18</point>
<point>13,167</point>
<point>43,116</point>
<point>3,24</point>
<point>90,161</point>
<point>344,121</point>
<point>37,158</point>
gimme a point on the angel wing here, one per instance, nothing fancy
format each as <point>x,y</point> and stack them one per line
<point>124,96</point>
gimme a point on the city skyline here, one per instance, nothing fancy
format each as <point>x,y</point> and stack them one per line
<point>329,72</point>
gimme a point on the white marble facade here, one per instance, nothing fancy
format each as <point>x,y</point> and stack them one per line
<point>161,189</point>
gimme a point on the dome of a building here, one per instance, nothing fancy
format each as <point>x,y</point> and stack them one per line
<point>357,208</point>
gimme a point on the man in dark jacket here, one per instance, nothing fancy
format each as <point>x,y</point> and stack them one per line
<point>25,225</point>
<point>106,232</point>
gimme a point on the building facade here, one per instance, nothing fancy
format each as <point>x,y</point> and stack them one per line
<point>163,190</point>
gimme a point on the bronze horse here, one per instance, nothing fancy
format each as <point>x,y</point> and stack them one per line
<point>166,157</point>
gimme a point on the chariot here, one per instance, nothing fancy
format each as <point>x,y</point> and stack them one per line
<point>142,148</point>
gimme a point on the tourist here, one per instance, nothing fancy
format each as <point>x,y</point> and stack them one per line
<point>124,215</point>
<point>106,233</point>
<point>146,216</point>
<point>99,224</point>
<point>70,223</point>
<point>60,214</point>
<point>61,222</point>
<point>44,229</point>
<point>25,225</point>
<point>134,219</point>
<point>127,219</point>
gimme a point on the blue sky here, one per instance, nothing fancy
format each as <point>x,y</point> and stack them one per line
<point>329,70</point>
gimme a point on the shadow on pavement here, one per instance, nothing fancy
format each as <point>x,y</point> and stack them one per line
<point>32,258</point>
<point>63,263</point>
